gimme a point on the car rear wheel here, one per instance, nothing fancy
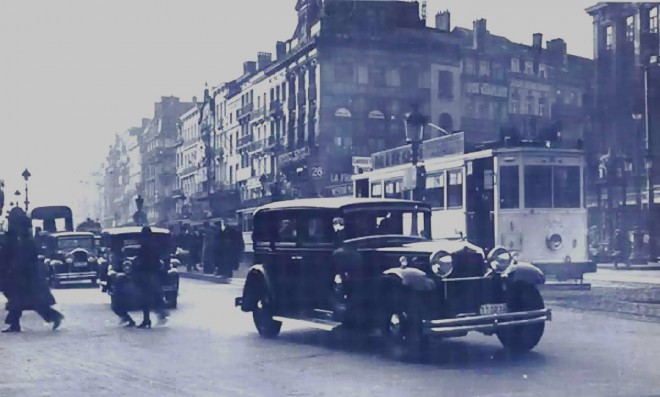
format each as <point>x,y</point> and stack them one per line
<point>523,338</point>
<point>263,318</point>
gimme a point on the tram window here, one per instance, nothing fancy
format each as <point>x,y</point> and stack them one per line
<point>393,189</point>
<point>566,188</point>
<point>376,190</point>
<point>509,187</point>
<point>455,189</point>
<point>435,190</point>
<point>538,186</point>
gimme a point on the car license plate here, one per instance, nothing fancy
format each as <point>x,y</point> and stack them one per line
<point>80,264</point>
<point>497,308</point>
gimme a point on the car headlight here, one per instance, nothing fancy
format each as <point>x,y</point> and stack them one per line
<point>69,260</point>
<point>500,259</point>
<point>92,259</point>
<point>403,261</point>
<point>442,264</point>
<point>127,265</point>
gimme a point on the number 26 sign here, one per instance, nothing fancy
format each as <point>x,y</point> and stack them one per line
<point>317,172</point>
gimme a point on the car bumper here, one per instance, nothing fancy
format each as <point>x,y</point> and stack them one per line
<point>74,276</point>
<point>485,323</point>
<point>566,270</point>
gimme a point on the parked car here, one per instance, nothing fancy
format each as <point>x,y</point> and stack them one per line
<point>69,256</point>
<point>371,264</point>
<point>121,246</point>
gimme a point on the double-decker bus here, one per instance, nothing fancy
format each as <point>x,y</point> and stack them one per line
<point>526,197</point>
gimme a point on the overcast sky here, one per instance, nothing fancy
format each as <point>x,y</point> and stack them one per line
<point>75,72</point>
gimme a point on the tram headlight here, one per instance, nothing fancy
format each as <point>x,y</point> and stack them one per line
<point>554,242</point>
<point>441,263</point>
<point>500,259</point>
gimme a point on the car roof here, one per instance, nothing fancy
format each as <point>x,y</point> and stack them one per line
<point>116,231</point>
<point>71,234</point>
<point>335,203</point>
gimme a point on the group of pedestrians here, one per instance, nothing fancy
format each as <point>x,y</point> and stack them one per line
<point>24,279</point>
<point>216,248</point>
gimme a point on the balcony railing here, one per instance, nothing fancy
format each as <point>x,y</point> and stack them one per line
<point>261,145</point>
<point>245,110</point>
<point>244,140</point>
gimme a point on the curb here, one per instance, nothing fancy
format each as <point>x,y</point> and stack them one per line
<point>610,266</point>
<point>213,279</point>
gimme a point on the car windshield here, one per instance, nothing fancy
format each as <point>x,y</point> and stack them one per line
<point>70,243</point>
<point>388,222</point>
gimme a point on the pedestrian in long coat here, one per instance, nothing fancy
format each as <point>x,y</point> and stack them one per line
<point>208,249</point>
<point>230,250</point>
<point>147,275</point>
<point>26,284</point>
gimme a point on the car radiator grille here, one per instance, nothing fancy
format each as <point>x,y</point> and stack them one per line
<point>79,256</point>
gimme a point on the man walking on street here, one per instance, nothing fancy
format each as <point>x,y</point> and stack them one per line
<point>25,282</point>
<point>230,249</point>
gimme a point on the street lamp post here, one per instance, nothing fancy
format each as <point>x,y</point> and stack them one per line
<point>26,175</point>
<point>415,124</point>
<point>655,63</point>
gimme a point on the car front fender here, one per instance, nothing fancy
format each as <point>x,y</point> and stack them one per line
<point>412,278</point>
<point>526,273</point>
<point>256,280</point>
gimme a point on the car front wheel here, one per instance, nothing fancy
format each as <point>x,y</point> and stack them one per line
<point>522,338</point>
<point>404,339</point>
<point>263,319</point>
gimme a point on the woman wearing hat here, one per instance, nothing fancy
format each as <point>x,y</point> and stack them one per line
<point>26,286</point>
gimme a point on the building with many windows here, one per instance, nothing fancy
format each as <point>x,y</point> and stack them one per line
<point>339,88</point>
<point>158,154</point>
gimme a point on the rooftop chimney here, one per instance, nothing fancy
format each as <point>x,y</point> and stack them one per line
<point>443,21</point>
<point>280,50</point>
<point>479,34</point>
<point>557,50</point>
<point>249,67</point>
<point>537,40</point>
<point>263,60</point>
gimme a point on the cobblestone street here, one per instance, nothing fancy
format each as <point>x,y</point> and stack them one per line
<point>210,348</point>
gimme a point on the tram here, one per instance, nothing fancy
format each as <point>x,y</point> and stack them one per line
<point>527,197</point>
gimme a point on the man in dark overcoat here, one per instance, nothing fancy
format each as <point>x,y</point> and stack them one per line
<point>25,284</point>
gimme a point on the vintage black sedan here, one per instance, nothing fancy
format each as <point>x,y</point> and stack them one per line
<point>69,256</point>
<point>121,246</point>
<point>371,264</point>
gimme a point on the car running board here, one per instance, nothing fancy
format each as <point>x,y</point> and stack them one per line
<point>322,324</point>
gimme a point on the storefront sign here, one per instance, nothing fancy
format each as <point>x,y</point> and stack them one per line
<point>341,190</point>
<point>487,89</point>
<point>291,157</point>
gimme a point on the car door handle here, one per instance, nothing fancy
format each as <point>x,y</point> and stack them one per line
<point>296,258</point>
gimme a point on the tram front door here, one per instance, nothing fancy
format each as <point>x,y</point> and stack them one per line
<point>480,203</point>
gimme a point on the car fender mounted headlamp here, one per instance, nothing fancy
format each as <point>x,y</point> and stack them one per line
<point>442,264</point>
<point>499,259</point>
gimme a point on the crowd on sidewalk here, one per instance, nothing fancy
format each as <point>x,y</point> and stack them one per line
<point>212,249</point>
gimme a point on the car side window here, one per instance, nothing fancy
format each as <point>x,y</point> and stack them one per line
<point>287,229</point>
<point>320,229</point>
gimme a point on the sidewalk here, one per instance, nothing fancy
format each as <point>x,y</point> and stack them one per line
<point>238,279</point>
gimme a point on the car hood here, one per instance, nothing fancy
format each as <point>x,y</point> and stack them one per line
<point>430,247</point>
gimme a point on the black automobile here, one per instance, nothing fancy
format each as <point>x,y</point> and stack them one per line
<point>120,247</point>
<point>371,264</point>
<point>69,256</point>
